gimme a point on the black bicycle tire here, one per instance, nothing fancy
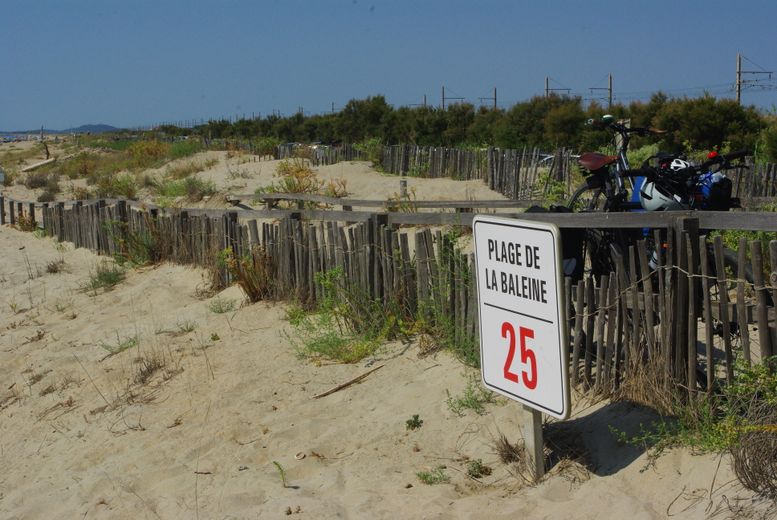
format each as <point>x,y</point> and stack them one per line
<point>583,188</point>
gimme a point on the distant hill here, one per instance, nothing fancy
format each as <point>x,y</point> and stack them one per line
<point>93,129</point>
<point>83,129</point>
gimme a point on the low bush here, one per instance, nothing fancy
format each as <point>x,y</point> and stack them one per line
<point>192,188</point>
<point>105,276</point>
<point>254,273</point>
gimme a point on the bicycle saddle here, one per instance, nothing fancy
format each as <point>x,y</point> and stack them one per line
<point>595,160</point>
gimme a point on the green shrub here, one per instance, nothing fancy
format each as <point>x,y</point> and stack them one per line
<point>85,164</point>
<point>119,186</point>
<point>435,476</point>
<point>346,325</point>
<point>147,153</point>
<point>105,276</point>
<point>474,398</point>
<point>221,305</point>
<point>180,149</point>
<point>716,424</point>
<point>192,188</point>
<point>255,273</point>
<point>35,180</point>
<point>373,148</point>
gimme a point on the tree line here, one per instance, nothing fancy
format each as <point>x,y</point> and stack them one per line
<point>699,123</point>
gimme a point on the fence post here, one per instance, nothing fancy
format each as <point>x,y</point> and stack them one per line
<point>45,218</point>
<point>2,210</point>
<point>11,212</point>
<point>31,211</point>
<point>682,226</point>
<point>60,221</point>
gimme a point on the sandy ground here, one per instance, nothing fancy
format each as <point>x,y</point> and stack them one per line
<point>83,436</point>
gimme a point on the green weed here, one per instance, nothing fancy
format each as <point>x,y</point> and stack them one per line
<point>475,397</point>
<point>715,424</point>
<point>346,324</point>
<point>281,473</point>
<point>414,423</point>
<point>192,188</point>
<point>255,273</point>
<point>105,276</point>
<point>476,469</point>
<point>221,305</point>
<point>435,476</point>
<point>121,345</point>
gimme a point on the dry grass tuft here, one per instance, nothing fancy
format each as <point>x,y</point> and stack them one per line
<point>754,457</point>
<point>254,273</point>
<point>507,452</point>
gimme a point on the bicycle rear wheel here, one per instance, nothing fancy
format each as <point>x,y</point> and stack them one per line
<point>586,198</point>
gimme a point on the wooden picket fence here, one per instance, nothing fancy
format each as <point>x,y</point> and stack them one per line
<point>687,320</point>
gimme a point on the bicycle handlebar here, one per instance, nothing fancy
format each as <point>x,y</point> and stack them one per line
<point>724,159</point>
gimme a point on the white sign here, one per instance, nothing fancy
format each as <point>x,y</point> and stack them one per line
<point>523,338</point>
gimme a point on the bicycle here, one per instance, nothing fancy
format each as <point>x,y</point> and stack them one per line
<point>611,185</point>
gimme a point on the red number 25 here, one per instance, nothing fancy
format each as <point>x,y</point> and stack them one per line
<point>528,358</point>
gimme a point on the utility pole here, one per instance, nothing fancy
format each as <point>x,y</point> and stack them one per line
<point>491,98</point>
<point>608,89</point>
<point>548,90</point>
<point>740,77</point>
<point>444,98</point>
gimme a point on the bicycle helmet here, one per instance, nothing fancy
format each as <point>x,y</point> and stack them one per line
<point>656,197</point>
<point>678,165</point>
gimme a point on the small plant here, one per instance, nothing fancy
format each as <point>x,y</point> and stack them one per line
<point>24,222</point>
<point>435,476</point>
<point>508,452</point>
<point>55,266</point>
<point>192,188</point>
<point>281,473</point>
<point>221,305</point>
<point>474,398</point>
<point>186,326</point>
<point>476,469</point>
<point>414,423</point>
<point>346,324</point>
<point>336,188</point>
<point>295,176</point>
<point>402,203</point>
<point>182,171</point>
<point>105,276</point>
<point>120,346</point>
<point>255,273</point>
<point>373,149</point>
<point>148,365</point>
<point>36,180</point>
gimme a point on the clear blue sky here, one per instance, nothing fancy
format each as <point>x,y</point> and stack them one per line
<point>132,63</point>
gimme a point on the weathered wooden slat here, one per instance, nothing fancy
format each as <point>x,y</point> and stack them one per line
<point>723,299</point>
<point>764,337</point>
<point>741,310</point>
<point>578,334</point>
<point>708,326</point>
